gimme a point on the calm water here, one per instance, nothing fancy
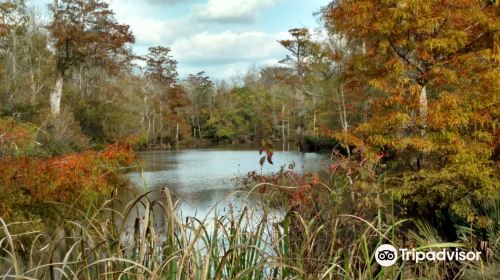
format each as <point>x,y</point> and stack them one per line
<point>201,178</point>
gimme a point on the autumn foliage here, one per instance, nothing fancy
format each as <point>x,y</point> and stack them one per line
<point>86,31</point>
<point>15,138</point>
<point>72,178</point>
<point>430,72</point>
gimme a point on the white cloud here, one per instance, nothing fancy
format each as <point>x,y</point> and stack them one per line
<point>193,29</point>
<point>157,2</point>
<point>167,2</point>
<point>227,53</point>
<point>148,24</point>
<point>231,10</point>
<point>147,30</point>
<point>227,47</point>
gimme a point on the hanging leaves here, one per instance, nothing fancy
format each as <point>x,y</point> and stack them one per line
<point>268,150</point>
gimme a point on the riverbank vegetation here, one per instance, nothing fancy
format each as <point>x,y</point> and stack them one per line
<point>403,94</point>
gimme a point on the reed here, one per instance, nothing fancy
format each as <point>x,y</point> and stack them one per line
<point>252,243</point>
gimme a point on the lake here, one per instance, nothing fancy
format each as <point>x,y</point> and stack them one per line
<point>201,178</point>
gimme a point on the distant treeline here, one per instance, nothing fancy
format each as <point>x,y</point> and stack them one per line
<point>77,79</point>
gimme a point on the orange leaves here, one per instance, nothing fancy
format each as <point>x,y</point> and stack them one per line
<point>444,139</point>
<point>419,144</point>
<point>119,154</point>
<point>439,45</point>
<point>14,138</point>
<point>448,112</point>
<point>68,178</point>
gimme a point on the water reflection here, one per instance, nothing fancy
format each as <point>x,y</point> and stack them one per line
<point>200,178</point>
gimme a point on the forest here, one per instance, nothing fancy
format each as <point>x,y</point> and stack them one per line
<point>403,94</point>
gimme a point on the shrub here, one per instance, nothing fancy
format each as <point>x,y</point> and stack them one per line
<point>15,139</point>
<point>74,178</point>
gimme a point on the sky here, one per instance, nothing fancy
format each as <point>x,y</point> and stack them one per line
<point>224,38</point>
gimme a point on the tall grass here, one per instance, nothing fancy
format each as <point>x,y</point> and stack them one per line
<point>159,243</point>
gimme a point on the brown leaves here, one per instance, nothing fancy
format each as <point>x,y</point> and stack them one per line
<point>88,32</point>
<point>262,159</point>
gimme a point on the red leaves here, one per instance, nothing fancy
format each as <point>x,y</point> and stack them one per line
<point>269,153</point>
<point>66,178</point>
<point>316,180</point>
<point>333,167</point>
<point>269,157</point>
<point>262,189</point>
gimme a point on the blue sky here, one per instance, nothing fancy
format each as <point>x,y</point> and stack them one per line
<point>222,37</point>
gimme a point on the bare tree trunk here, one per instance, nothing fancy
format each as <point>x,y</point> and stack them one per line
<point>56,95</point>
<point>14,55</point>
<point>32,86</point>
<point>343,115</point>
<point>314,116</point>
<point>177,135</point>
<point>273,112</point>
<point>283,137</point>
<point>153,125</point>
<point>288,133</point>
<point>343,108</point>
<point>365,102</point>
<point>160,129</point>
<point>199,127</point>
<point>365,110</point>
<point>424,108</point>
<point>342,112</point>
<point>146,117</point>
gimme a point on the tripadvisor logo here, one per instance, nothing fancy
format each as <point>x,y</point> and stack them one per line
<point>387,255</point>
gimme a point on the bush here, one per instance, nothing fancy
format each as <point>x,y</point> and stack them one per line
<point>61,134</point>
<point>16,139</point>
<point>28,183</point>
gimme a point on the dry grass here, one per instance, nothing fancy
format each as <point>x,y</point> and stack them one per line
<point>246,244</point>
